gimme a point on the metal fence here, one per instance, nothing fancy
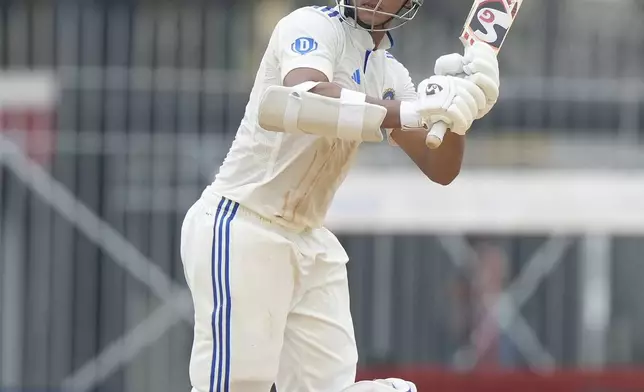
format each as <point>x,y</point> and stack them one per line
<point>95,179</point>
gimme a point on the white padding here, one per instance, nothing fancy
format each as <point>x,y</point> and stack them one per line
<point>293,105</point>
<point>296,110</point>
<point>351,118</point>
<point>292,113</point>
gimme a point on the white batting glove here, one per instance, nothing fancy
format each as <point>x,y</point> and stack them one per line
<point>455,101</point>
<point>398,384</point>
<point>479,65</point>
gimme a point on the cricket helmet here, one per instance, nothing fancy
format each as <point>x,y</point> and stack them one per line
<point>407,12</point>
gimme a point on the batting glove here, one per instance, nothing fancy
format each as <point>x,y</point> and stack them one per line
<point>479,64</point>
<point>452,100</point>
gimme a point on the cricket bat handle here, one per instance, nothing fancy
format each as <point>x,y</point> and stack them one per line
<point>436,135</point>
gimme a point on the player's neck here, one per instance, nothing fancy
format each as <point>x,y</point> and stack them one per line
<point>377,37</point>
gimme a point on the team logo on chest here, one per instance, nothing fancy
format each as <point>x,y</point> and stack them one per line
<point>389,94</point>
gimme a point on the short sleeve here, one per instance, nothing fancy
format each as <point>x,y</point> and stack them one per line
<point>308,38</point>
<point>403,86</point>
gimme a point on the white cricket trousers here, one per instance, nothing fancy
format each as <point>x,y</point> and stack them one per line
<point>271,305</point>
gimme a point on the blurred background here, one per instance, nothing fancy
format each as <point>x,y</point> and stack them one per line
<point>522,275</point>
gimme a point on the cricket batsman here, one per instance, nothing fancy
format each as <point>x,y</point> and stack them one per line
<point>268,280</point>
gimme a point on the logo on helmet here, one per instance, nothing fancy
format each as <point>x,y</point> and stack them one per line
<point>433,89</point>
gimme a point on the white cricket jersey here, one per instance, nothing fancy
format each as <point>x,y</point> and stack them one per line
<point>292,178</point>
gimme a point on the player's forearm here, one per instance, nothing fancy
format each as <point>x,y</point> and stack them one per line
<point>441,165</point>
<point>445,162</point>
<point>392,119</point>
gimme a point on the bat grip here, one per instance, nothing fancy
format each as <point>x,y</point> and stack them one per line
<point>436,135</point>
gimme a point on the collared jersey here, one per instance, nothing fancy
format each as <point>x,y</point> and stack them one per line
<point>290,178</point>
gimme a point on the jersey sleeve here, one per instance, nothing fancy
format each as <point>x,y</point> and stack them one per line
<point>403,86</point>
<point>308,38</point>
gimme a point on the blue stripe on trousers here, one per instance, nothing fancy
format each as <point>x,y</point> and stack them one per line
<point>220,365</point>
<point>228,301</point>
